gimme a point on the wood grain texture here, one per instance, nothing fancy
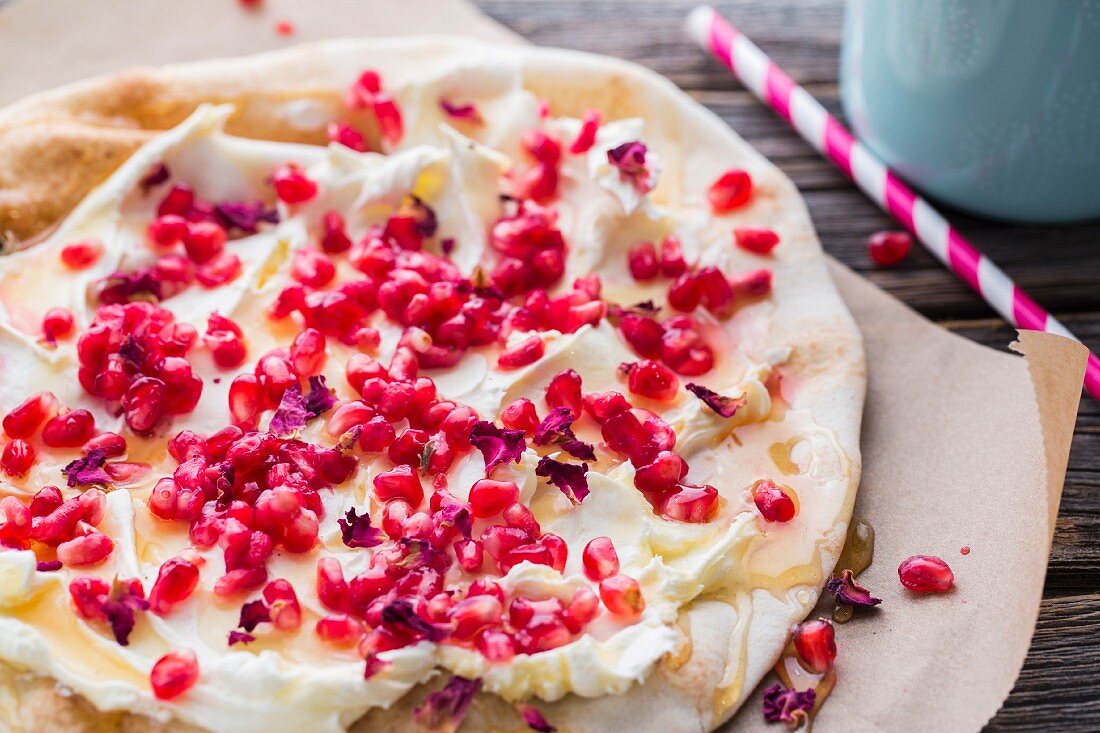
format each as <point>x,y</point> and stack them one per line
<point>1059,265</point>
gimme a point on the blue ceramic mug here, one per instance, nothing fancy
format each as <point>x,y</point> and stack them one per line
<point>992,106</point>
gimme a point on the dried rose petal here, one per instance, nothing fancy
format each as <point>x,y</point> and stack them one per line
<point>122,287</point>
<point>644,308</point>
<point>320,398</point>
<point>533,718</point>
<point>88,470</point>
<point>724,406</point>
<point>157,175</point>
<point>48,566</point>
<point>459,517</point>
<point>629,158</point>
<point>782,705</point>
<point>357,530</point>
<point>253,614</point>
<point>295,408</point>
<point>132,351</point>
<point>570,478</point>
<point>240,637</point>
<point>467,112</point>
<point>556,428</point>
<point>120,609</point>
<point>445,709</point>
<point>245,216</point>
<point>400,613</point>
<point>849,592</point>
<point>498,445</point>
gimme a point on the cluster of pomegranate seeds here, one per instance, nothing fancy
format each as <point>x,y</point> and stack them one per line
<point>134,357</point>
<point>531,247</point>
<point>926,574</point>
<point>888,249</point>
<point>67,526</point>
<point>676,341</point>
<point>366,93</point>
<point>539,183</point>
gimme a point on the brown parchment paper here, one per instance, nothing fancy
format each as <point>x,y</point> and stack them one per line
<point>962,445</point>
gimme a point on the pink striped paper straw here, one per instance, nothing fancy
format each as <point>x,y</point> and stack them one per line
<point>806,115</point>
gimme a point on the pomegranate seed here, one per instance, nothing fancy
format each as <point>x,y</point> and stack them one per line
<point>18,457</point>
<point>174,674</point>
<point>489,498</point>
<point>69,430</point>
<point>400,482</point>
<point>111,444</point>
<point>332,589</point>
<point>757,241</point>
<point>56,324</point>
<point>654,380</point>
<point>520,415</point>
<point>226,342</point>
<point>586,138</point>
<point>685,293</point>
<point>205,240</point>
<point>523,353</point>
<point>582,608</point>
<point>377,435</point>
<point>622,596</point>
<point>312,268</point>
<point>752,284</point>
<point>600,559</point>
<point>541,146</point>
<point>221,270</point>
<point>642,260</point>
<point>717,293</point>
<point>291,184</point>
<point>45,501</point>
<point>23,420</point>
<point>538,183</point>
<point>564,390</point>
<point>773,501</point>
<point>82,254</point>
<point>339,629</point>
<point>815,642</point>
<point>90,549</point>
<point>470,615</point>
<point>143,403</point>
<point>673,263</point>
<point>307,352</point>
<point>89,593</point>
<point>167,231</point>
<point>926,574</point>
<point>282,602</point>
<point>496,646</point>
<point>889,248</point>
<point>691,504</point>
<point>346,135</point>
<point>284,28</point>
<point>176,581</point>
<point>662,474</point>
<point>470,554</point>
<point>246,399</point>
<point>731,191</point>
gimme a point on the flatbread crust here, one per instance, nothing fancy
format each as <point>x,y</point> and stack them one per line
<point>56,146</point>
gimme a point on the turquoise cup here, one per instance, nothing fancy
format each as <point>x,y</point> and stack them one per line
<point>991,106</point>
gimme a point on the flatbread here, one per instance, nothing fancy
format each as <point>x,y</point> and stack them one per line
<point>55,147</point>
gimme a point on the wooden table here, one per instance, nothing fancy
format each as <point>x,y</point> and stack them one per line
<point>1060,266</point>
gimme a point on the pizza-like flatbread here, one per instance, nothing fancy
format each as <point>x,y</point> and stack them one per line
<point>779,400</point>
